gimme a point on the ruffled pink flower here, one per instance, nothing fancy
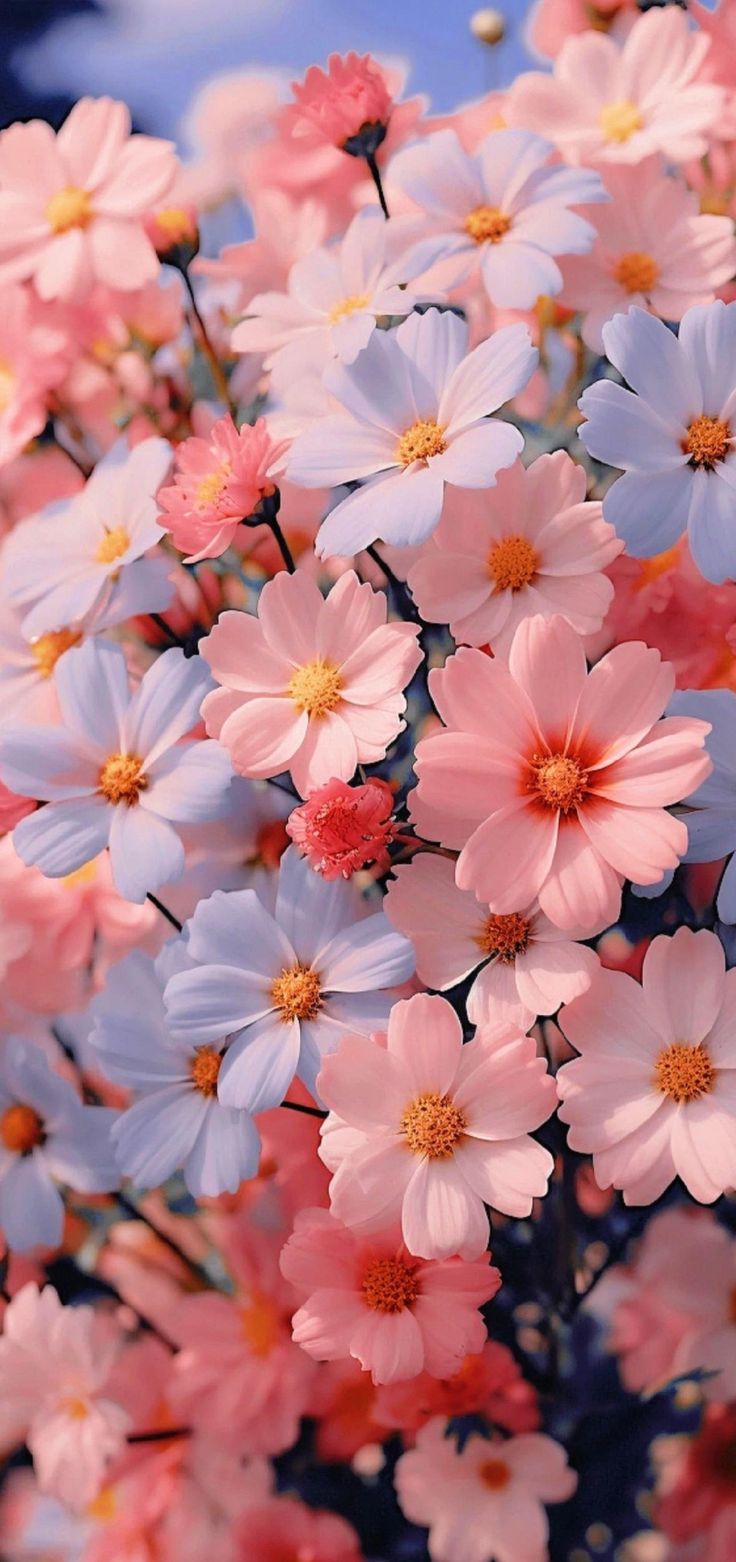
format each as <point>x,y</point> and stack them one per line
<point>369,1298</point>
<point>554,781</point>
<point>349,97</point>
<point>653,1094</point>
<point>218,482</point>
<point>533,544</point>
<point>425,1130</point>
<point>311,685</point>
<point>284,1530</point>
<point>72,205</point>
<point>488,1384</point>
<point>343,828</point>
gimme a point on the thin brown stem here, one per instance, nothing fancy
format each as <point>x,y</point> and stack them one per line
<point>216,370</point>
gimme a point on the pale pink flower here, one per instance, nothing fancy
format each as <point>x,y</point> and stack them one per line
<point>351,96</point>
<point>527,965</point>
<point>653,1094</point>
<point>533,544</point>
<point>218,482</point>
<point>426,1130</point>
<point>313,686</point>
<point>72,205</point>
<point>614,102</point>
<point>486,1504</point>
<point>551,22</point>
<point>368,1297</point>
<point>342,828</point>
<point>554,781</point>
<point>33,362</point>
<point>284,1528</point>
<point>489,1383</point>
<point>13,808</point>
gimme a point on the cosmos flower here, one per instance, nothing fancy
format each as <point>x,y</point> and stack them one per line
<point>218,482</point>
<point>341,829</point>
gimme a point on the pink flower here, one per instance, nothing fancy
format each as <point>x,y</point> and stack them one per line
<point>343,828</point>
<point>13,808</point>
<point>653,1094</point>
<point>485,1504</point>
<point>311,685</point>
<point>527,965</point>
<point>72,205</point>
<point>33,361</point>
<point>427,1130</point>
<point>554,781</point>
<point>490,1384</point>
<point>285,1530</point>
<point>218,482</point>
<point>532,544</point>
<point>349,98</point>
<point>551,22</point>
<point>369,1298</point>
<point>695,1498</point>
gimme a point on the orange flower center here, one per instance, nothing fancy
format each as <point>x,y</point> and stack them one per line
<point>114,544</point>
<point>260,1324</point>
<point>21,1129</point>
<point>707,441</point>
<point>103,1507</point>
<point>486,224</point>
<point>425,438</point>
<point>559,781</point>
<point>636,271</point>
<point>176,223</point>
<point>512,563</point>
<point>316,688</point>
<point>504,936</point>
<point>48,648</point>
<point>348,306</point>
<point>204,1070</point>
<point>121,779</point>
<point>297,993</point>
<point>432,1125</point>
<point>389,1285</point>
<point>495,1474</point>
<point>69,208</point>
<point>684,1073</point>
<point>619,121</point>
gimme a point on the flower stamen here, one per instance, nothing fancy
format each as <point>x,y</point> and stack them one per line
<point>512,563</point>
<point>504,936</point>
<point>433,1125</point>
<point>636,271</point>
<point>619,121</point>
<point>559,781</point>
<point>316,688</point>
<point>684,1073</point>
<point>204,1070</point>
<point>21,1129</point>
<point>121,779</point>
<point>389,1285</point>
<point>707,441</point>
<point>487,224</point>
<point>69,208</point>
<point>47,649</point>
<point>425,438</point>
<point>297,993</point>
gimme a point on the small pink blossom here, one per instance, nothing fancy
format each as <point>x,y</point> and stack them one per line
<point>285,1530</point>
<point>349,97</point>
<point>342,828</point>
<point>218,482</point>
<point>489,1383</point>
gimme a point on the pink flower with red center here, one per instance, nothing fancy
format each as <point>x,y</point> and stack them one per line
<point>313,686</point>
<point>350,97</point>
<point>342,828</point>
<point>218,482</point>
<point>489,1383</point>
<point>695,1500</point>
<point>560,793</point>
<point>371,1299</point>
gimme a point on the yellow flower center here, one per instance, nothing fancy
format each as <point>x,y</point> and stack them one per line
<point>113,545</point>
<point>297,993</point>
<point>204,1070</point>
<point>504,936</point>
<point>121,779</point>
<point>708,440</point>
<point>636,271</point>
<point>21,1129</point>
<point>47,649</point>
<point>389,1285</point>
<point>495,1474</point>
<point>260,1324</point>
<point>348,306</point>
<point>684,1073</point>
<point>69,208</point>
<point>84,875</point>
<point>559,781</point>
<point>619,121</point>
<point>176,223</point>
<point>432,1125</point>
<point>208,491</point>
<point>486,224</point>
<point>103,1507</point>
<point>512,563</point>
<point>316,688</point>
<point>424,439</point>
<point>7,384</point>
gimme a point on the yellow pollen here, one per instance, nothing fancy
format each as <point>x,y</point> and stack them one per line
<point>7,384</point>
<point>432,1125</point>
<point>504,936</point>
<point>77,1408</point>
<point>708,440</point>
<point>84,875</point>
<point>259,1322</point>
<point>47,649</point>
<point>69,208</point>
<point>204,1070</point>
<point>424,439</point>
<point>636,271</point>
<point>103,1507</point>
<point>297,993</point>
<point>389,1285</point>
<point>348,306</point>
<point>495,1474</point>
<point>684,1073</point>
<point>21,1129</point>
<point>208,491</point>
<point>559,781</point>
<point>316,688</point>
<point>121,779</point>
<point>512,563</point>
<point>113,545</point>
<point>177,223</point>
<point>486,224</point>
<point>619,121</point>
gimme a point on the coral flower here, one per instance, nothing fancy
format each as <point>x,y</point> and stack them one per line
<point>72,205</point>
<point>490,1383</point>
<point>311,685</point>
<point>342,828</point>
<point>218,482</point>
<point>350,98</point>
<point>563,793</point>
<point>284,1530</point>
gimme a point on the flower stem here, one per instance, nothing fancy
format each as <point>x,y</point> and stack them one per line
<point>136,1213</point>
<point>169,915</point>
<point>370,158</point>
<point>310,1111</point>
<point>216,370</point>
<point>282,544</point>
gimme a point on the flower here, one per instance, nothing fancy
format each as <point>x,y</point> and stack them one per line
<point>346,101</point>
<point>563,793</point>
<point>290,984</point>
<point>652,1095</point>
<point>711,826</point>
<point>286,1530</point>
<point>694,1502</point>
<point>671,433</point>
<point>311,686</point>
<point>501,211</point>
<point>115,774</point>
<point>427,1130</point>
<point>532,544</point>
<point>489,1383</point>
<point>618,102</point>
<point>528,966</point>
<point>72,205</point>
<point>32,364</point>
<point>485,1504</point>
<point>369,1298</point>
<point>653,249</point>
<point>415,417</point>
<point>218,482</point>
<point>178,1120</point>
<point>47,1135</point>
<point>341,828</point>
